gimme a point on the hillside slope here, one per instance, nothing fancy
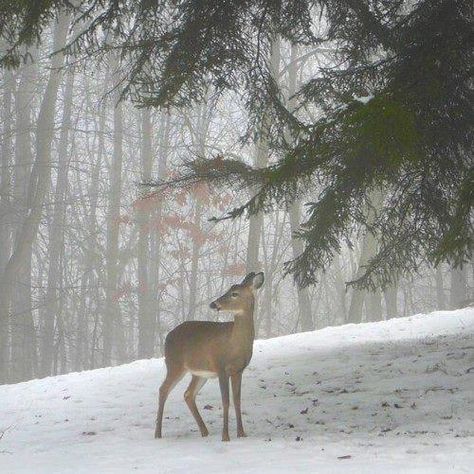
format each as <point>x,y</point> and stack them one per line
<point>394,396</point>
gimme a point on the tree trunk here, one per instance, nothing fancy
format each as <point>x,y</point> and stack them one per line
<point>111,315</point>
<point>165,126</point>
<point>458,287</point>
<point>81,327</point>
<point>20,304</point>
<point>373,306</point>
<point>146,315</point>
<point>358,296</point>
<point>5,170</point>
<point>390,295</point>
<point>369,249</point>
<point>56,234</point>
<point>196,248</point>
<point>202,131</point>
<point>304,303</point>
<point>39,178</point>
<point>5,202</point>
<point>256,221</point>
<point>440,293</point>
<point>93,256</point>
<point>341,291</point>
<point>260,161</point>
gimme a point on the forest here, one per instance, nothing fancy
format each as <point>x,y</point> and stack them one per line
<point>103,249</point>
<point>236,236</point>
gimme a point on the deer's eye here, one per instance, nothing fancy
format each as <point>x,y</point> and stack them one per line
<point>234,294</point>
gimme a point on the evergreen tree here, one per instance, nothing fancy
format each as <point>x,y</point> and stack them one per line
<point>394,109</point>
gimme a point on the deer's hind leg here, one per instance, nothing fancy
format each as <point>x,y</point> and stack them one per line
<point>173,376</point>
<point>190,397</point>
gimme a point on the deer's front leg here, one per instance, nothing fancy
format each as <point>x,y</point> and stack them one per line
<point>224,386</point>
<point>236,385</point>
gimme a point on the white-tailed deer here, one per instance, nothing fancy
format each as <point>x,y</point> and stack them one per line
<point>210,349</point>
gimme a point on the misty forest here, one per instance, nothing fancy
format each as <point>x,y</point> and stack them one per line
<point>153,153</point>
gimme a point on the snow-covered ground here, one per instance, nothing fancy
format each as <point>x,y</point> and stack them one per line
<point>391,397</point>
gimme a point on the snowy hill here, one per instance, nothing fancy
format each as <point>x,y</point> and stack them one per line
<point>394,396</point>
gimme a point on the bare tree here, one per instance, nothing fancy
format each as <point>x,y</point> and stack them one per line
<point>111,326</point>
<point>146,313</point>
<point>39,176</point>
<point>50,311</point>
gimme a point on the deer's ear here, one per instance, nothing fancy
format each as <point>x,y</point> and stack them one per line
<point>248,279</point>
<point>258,280</point>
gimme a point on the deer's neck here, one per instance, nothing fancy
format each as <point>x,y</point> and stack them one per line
<point>243,332</point>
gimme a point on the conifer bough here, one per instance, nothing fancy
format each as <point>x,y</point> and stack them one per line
<point>396,109</point>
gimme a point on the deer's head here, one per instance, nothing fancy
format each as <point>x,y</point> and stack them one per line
<point>240,297</point>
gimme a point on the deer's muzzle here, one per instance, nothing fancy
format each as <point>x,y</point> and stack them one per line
<point>215,305</point>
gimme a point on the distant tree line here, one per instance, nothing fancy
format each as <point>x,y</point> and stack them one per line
<point>342,130</point>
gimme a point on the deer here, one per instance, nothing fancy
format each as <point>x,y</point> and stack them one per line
<point>209,349</point>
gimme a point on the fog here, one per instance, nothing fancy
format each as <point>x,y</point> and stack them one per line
<point>98,266</point>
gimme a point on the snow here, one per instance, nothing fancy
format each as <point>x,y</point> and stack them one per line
<point>394,396</point>
<point>364,99</point>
